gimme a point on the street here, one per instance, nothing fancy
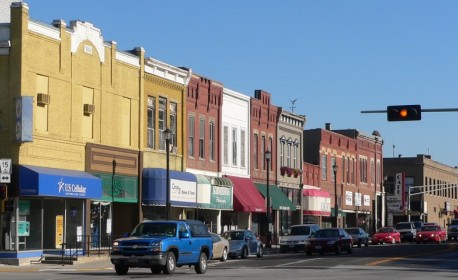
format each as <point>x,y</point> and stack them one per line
<point>403,261</point>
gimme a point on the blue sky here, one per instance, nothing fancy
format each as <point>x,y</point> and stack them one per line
<point>337,58</point>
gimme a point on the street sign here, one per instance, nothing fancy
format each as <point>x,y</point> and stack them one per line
<point>5,178</point>
<point>5,165</point>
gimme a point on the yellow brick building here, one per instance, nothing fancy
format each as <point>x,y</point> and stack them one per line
<point>76,121</point>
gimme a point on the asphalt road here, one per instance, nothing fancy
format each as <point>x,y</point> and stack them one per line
<point>400,261</point>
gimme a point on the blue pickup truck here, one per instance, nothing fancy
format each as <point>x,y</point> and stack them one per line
<point>162,246</point>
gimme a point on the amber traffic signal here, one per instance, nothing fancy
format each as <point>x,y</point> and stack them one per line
<point>403,113</point>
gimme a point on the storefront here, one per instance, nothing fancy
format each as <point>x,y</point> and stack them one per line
<point>316,206</point>
<point>249,206</point>
<point>183,194</point>
<point>279,204</point>
<point>214,195</point>
<point>47,211</point>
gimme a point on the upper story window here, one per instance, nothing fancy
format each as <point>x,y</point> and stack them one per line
<point>212,140</point>
<point>151,122</point>
<point>324,167</point>
<point>263,148</point>
<point>202,138</point>
<point>234,146</point>
<point>173,124</point>
<point>242,148</point>
<point>255,151</point>
<point>162,120</point>
<point>191,134</point>
<point>226,145</point>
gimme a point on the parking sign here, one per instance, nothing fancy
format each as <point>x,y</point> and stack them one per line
<point>5,166</point>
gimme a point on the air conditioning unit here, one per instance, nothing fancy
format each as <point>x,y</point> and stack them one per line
<point>43,99</point>
<point>88,109</point>
<point>174,150</point>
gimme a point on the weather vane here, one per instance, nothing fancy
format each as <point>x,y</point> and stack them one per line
<point>292,105</point>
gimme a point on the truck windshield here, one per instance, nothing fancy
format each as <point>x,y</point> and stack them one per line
<point>155,229</point>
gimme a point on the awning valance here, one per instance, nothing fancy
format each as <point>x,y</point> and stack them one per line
<point>278,198</point>
<point>183,187</point>
<point>246,196</point>
<point>43,181</point>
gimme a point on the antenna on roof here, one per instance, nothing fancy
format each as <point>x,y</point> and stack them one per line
<point>292,105</point>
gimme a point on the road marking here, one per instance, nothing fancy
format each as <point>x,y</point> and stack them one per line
<point>386,260</point>
<point>301,261</point>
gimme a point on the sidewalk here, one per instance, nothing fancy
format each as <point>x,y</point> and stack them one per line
<point>83,263</point>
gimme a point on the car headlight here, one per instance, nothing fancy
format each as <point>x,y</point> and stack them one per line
<point>155,247</point>
<point>116,246</point>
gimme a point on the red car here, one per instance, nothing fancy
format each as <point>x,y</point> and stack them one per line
<point>431,233</point>
<point>386,235</point>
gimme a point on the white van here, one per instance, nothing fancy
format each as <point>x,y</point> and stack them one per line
<point>296,237</point>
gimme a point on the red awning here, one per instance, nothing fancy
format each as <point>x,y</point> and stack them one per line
<point>246,196</point>
<point>315,192</point>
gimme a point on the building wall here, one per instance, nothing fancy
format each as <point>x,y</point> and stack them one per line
<point>263,120</point>
<point>235,115</point>
<point>290,133</point>
<point>437,182</point>
<point>204,101</point>
<point>74,67</point>
<point>163,80</point>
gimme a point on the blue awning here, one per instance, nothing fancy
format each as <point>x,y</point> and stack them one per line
<point>43,181</point>
<point>183,188</point>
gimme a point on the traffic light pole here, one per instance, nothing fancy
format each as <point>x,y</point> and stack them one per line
<point>422,110</point>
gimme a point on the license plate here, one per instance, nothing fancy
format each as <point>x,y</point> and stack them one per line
<point>133,259</point>
<point>318,247</point>
<point>291,246</point>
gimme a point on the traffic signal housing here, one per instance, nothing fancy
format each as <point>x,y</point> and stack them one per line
<point>399,113</point>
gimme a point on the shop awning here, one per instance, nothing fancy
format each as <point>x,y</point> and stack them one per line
<point>278,198</point>
<point>211,196</point>
<point>246,196</point>
<point>316,202</point>
<point>183,187</point>
<point>340,213</point>
<point>221,196</point>
<point>43,181</point>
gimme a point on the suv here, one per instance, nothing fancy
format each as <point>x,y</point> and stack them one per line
<point>296,237</point>
<point>452,230</point>
<point>162,246</point>
<point>407,231</point>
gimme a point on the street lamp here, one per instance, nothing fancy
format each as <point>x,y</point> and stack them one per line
<point>336,207</point>
<point>167,135</point>
<point>112,194</point>
<point>267,155</point>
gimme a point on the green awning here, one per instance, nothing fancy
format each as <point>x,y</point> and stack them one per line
<point>278,198</point>
<point>221,181</point>
<point>341,213</point>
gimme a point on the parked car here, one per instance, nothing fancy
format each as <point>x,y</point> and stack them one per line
<point>329,240</point>
<point>359,235</point>
<point>407,231</point>
<point>220,247</point>
<point>431,233</point>
<point>452,230</point>
<point>386,235</point>
<point>243,242</point>
<point>296,236</point>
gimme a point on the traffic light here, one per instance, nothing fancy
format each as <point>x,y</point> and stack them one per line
<point>399,113</point>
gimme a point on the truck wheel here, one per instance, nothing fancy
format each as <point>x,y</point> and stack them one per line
<point>121,269</point>
<point>170,263</point>
<point>201,266</point>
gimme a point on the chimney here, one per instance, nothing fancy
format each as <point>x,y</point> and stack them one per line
<point>328,126</point>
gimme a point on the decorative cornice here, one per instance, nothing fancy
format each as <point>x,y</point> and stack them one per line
<point>164,83</point>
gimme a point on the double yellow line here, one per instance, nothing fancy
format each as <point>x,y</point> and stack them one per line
<point>451,247</point>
